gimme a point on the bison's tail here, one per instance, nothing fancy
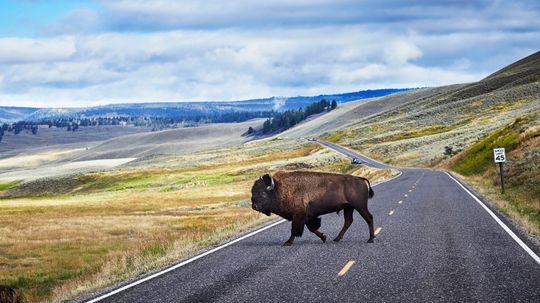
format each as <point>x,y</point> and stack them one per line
<point>371,193</point>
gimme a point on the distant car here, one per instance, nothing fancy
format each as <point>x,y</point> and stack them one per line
<point>356,161</point>
<point>312,139</point>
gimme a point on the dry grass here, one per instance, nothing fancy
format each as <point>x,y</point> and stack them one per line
<point>109,226</point>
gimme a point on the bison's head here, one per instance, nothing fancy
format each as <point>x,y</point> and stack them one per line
<point>263,195</point>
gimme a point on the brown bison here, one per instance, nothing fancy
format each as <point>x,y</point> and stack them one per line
<point>301,197</point>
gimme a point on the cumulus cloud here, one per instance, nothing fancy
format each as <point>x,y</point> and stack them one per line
<point>141,51</point>
<point>400,52</point>
<point>24,50</point>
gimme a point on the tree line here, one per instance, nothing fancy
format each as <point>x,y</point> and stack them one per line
<point>276,121</point>
<point>73,124</point>
<point>289,118</point>
<point>17,127</point>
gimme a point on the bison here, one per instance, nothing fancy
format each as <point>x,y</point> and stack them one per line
<point>301,197</point>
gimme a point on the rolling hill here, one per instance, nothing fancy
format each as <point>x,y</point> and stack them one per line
<point>171,142</point>
<point>414,127</point>
<point>13,113</point>
<point>183,109</point>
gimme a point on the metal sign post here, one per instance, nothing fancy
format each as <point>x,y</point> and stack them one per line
<point>500,157</point>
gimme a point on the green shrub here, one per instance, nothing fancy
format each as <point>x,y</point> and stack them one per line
<point>479,156</point>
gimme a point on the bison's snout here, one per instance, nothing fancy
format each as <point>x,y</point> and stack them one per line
<point>254,206</point>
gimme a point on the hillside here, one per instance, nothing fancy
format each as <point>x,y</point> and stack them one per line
<point>13,114</point>
<point>102,148</point>
<point>420,124</point>
<point>521,139</point>
<point>346,115</point>
<point>58,138</point>
<point>173,141</point>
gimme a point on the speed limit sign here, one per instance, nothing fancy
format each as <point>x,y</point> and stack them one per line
<point>499,155</point>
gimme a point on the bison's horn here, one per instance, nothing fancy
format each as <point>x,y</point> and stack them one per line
<point>272,184</point>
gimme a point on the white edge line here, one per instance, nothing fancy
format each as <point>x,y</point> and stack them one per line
<point>501,223</point>
<point>183,263</point>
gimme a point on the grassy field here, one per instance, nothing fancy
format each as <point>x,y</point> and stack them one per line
<point>49,138</point>
<point>61,237</point>
<point>56,152</point>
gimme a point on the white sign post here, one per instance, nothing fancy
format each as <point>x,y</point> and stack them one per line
<point>499,156</point>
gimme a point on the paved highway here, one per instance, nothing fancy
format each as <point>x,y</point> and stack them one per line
<point>435,243</point>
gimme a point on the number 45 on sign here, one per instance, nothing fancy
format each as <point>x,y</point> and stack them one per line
<point>499,155</point>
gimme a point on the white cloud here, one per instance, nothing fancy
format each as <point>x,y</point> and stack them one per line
<point>172,51</point>
<point>400,52</point>
<point>23,50</point>
<point>220,65</point>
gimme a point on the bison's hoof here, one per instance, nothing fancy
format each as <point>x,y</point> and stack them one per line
<point>287,243</point>
<point>370,240</point>
<point>323,238</point>
<point>337,239</point>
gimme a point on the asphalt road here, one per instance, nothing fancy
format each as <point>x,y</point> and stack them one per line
<point>436,243</point>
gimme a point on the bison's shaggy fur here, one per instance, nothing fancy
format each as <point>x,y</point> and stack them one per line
<point>10,295</point>
<point>301,197</point>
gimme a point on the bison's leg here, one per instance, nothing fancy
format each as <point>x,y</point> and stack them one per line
<point>369,220</point>
<point>297,229</point>
<point>313,225</point>
<point>348,214</point>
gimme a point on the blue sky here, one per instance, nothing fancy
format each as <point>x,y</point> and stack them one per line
<point>81,53</point>
<point>28,18</point>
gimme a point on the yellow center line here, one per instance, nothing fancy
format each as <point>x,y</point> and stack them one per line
<point>377,230</point>
<point>345,268</point>
<point>391,212</point>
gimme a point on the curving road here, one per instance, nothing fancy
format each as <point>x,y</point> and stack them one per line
<point>436,243</point>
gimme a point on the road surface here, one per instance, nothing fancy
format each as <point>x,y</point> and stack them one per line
<point>435,243</point>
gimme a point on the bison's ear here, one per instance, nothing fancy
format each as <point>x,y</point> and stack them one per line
<point>268,181</point>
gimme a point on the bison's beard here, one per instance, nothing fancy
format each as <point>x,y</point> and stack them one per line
<point>268,213</point>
